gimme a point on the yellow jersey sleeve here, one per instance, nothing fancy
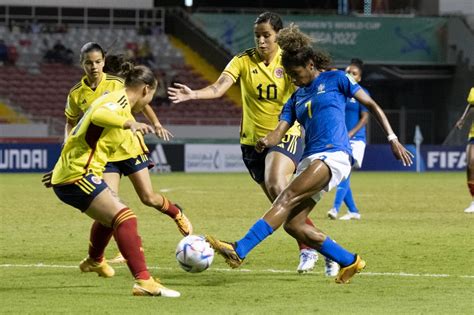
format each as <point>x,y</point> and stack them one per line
<point>107,116</point>
<point>73,111</point>
<point>233,68</point>
<point>470,97</point>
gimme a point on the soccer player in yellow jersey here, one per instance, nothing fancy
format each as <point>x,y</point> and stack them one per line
<point>469,148</point>
<point>265,87</point>
<point>77,178</point>
<point>131,157</point>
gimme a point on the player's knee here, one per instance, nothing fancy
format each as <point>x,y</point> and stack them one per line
<point>149,199</point>
<point>274,188</point>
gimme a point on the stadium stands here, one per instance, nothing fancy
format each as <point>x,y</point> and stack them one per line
<point>39,89</point>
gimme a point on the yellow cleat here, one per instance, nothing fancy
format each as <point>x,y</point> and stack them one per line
<point>118,259</point>
<point>226,250</point>
<point>184,225</point>
<point>346,273</point>
<point>152,287</point>
<point>103,269</point>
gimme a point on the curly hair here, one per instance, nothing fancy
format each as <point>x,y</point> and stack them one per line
<point>298,49</point>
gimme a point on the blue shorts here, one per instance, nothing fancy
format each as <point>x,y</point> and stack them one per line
<point>129,166</point>
<point>81,193</point>
<point>290,145</point>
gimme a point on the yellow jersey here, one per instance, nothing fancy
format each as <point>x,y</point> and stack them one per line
<point>82,95</point>
<point>470,100</point>
<point>80,98</point>
<point>264,89</point>
<point>96,137</point>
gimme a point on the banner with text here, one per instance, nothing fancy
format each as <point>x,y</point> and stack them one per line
<point>23,158</point>
<point>213,158</point>
<point>388,40</point>
<point>432,158</point>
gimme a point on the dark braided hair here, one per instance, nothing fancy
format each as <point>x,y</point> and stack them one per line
<point>298,50</point>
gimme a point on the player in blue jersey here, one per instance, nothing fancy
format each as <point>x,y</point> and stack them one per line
<point>318,105</point>
<point>357,116</point>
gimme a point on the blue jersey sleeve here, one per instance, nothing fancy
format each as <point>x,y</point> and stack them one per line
<point>347,85</point>
<point>288,113</point>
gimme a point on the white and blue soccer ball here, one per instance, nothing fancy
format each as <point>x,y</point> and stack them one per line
<point>194,254</point>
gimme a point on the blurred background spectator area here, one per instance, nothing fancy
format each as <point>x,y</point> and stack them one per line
<point>420,72</point>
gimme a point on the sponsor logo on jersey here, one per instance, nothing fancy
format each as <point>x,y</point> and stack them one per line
<point>279,73</point>
<point>111,106</point>
<point>321,89</point>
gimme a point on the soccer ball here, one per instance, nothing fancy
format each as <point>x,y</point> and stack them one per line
<point>194,254</point>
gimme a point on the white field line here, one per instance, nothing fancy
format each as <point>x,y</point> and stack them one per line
<point>380,274</point>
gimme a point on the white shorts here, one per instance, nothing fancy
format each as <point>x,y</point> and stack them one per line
<point>358,150</point>
<point>338,162</point>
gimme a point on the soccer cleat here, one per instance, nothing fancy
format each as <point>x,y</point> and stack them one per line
<point>103,269</point>
<point>470,209</point>
<point>331,268</point>
<point>152,287</point>
<point>350,216</point>
<point>346,273</point>
<point>184,225</point>
<point>226,250</point>
<point>308,258</point>
<point>118,259</point>
<point>332,214</point>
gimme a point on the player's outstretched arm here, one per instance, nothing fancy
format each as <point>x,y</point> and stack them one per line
<point>398,150</point>
<point>466,112</point>
<point>160,131</point>
<point>181,93</point>
<point>273,137</point>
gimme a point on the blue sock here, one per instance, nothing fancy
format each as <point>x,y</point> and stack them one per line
<point>349,201</point>
<point>341,193</point>
<point>256,234</point>
<point>336,252</point>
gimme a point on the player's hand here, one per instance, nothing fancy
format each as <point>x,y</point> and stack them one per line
<point>266,142</point>
<point>162,132</point>
<point>459,124</point>
<point>141,127</point>
<point>47,179</point>
<point>179,93</point>
<point>401,153</point>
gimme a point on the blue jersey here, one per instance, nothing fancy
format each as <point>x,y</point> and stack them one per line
<point>320,108</point>
<point>354,111</point>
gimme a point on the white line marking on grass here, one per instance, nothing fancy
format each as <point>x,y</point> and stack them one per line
<point>383,274</point>
<point>166,189</point>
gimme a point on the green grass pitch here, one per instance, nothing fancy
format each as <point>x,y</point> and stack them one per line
<point>418,244</point>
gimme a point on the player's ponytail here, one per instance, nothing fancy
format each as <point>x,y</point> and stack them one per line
<point>113,64</point>
<point>138,75</point>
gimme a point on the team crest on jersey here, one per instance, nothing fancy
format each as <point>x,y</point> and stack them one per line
<point>111,106</point>
<point>96,180</point>
<point>279,73</point>
<point>352,100</point>
<point>321,88</point>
